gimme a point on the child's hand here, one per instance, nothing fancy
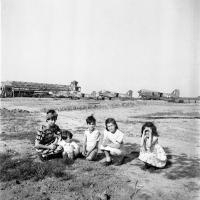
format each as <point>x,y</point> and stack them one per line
<point>87,154</point>
<point>105,142</point>
<point>84,153</point>
<point>52,146</point>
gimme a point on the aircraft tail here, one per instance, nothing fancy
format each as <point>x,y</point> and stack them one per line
<point>130,93</point>
<point>175,93</point>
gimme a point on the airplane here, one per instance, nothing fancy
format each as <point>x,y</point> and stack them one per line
<point>67,94</point>
<point>104,94</point>
<point>186,100</point>
<point>154,95</point>
<point>126,96</point>
<point>93,95</point>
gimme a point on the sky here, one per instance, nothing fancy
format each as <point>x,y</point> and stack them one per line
<point>114,45</point>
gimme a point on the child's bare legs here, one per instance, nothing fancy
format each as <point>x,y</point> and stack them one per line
<point>76,151</point>
<point>65,156</point>
<point>92,155</point>
<point>71,155</point>
<point>120,156</point>
<point>68,153</point>
<point>107,158</point>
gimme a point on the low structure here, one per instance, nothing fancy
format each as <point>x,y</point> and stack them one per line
<point>31,89</point>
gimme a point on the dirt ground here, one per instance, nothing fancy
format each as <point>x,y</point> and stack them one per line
<point>178,126</point>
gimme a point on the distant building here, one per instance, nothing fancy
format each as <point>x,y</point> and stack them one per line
<point>31,89</point>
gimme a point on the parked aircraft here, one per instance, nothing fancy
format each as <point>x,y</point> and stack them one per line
<point>93,95</point>
<point>126,96</point>
<point>149,94</point>
<point>67,94</point>
<point>185,100</point>
<point>104,94</point>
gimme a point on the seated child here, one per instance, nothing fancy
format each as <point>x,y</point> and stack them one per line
<point>151,153</point>
<point>46,142</point>
<point>71,148</point>
<point>91,139</point>
<point>112,142</point>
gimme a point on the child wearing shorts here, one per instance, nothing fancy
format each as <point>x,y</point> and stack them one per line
<point>91,139</point>
<point>112,143</point>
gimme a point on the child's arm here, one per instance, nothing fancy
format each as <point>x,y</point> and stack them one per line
<point>116,143</point>
<point>58,134</point>
<point>84,144</point>
<point>105,142</point>
<point>41,146</point>
<point>94,146</point>
<point>58,138</point>
<point>154,140</point>
<point>151,142</point>
<point>143,142</point>
<point>39,137</point>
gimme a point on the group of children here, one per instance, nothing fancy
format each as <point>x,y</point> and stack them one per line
<point>51,141</point>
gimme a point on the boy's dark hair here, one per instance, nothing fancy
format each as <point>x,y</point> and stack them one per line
<point>91,119</point>
<point>152,126</point>
<point>66,134</point>
<point>111,120</point>
<point>51,114</point>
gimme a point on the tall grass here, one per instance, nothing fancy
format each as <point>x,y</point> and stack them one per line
<point>26,168</point>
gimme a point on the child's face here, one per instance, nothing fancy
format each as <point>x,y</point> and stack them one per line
<point>91,126</point>
<point>111,127</point>
<point>147,132</point>
<point>68,140</point>
<point>51,122</point>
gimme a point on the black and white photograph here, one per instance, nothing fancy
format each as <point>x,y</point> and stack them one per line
<point>100,100</point>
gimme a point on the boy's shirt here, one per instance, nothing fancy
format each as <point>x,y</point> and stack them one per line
<point>47,135</point>
<point>92,137</point>
<point>114,137</point>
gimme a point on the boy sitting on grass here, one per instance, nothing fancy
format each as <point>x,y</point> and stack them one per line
<point>46,142</point>
<point>91,139</point>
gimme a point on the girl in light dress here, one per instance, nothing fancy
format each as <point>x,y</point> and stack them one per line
<point>151,153</point>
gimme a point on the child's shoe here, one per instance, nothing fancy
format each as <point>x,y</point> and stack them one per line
<point>43,157</point>
<point>119,162</point>
<point>107,163</point>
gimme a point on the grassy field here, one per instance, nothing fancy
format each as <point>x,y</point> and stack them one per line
<point>23,176</point>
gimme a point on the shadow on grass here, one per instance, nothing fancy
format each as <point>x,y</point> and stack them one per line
<point>179,166</point>
<point>183,167</point>
<point>132,151</point>
<point>26,168</point>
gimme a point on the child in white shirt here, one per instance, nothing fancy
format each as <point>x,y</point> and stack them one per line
<point>71,148</point>
<point>91,139</point>
<point>112,142</point>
